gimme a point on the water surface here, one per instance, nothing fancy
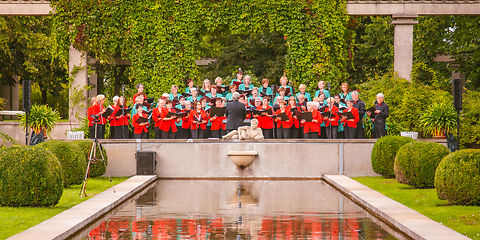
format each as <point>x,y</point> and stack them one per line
<point>208,209</point>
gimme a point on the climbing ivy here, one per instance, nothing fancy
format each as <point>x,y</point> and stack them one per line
<point>161,37</point>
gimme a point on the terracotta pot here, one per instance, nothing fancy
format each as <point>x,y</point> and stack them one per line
<point>439,134</point>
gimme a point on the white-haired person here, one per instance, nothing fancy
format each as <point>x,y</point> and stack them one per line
<point>350,125</point>
<point>247,84</point>
<point>284,85</point>
<point>381,115</point>
<point>302,91</point>
<point>321,89</point>
<point>114,120</point>
<point>360,105</point>
<point>331,119</point>
<point>311,129</point>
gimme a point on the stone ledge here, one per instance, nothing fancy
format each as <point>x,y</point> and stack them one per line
<point>407,220</point>
<point>72,220</point>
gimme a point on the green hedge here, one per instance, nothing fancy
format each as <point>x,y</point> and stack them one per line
<point>97,169</point>
<point>384,152</point>
<point>457,178</point>
<point>416,163</point>
<point>72,159</point>
<point>29,176</point>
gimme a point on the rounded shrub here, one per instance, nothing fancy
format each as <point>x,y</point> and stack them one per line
<point>457,178</point>
<point>29,176</point>
<point>71,158</point>
<point>416,162</point>
<point>384,152</point>
<point>97,168</point>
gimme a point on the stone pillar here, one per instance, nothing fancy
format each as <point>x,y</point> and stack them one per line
<point>92,82</point>
<point>77,67</point>
<point>403,44</point>
<point>11,95</point>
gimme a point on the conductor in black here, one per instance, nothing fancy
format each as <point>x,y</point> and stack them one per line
<point>381,115</point>
<point>235,112</point>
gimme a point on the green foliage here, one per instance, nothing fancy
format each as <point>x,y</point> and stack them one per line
<point>41,117</point>
<point>457,178</point>
<point>97,168</point>
<point>407,101</point>
<point>416,162</point>
<point>7,139</point>
<point>470,120</point>
<point>439,117</point>
<point>162,38</point>
<point>384,152</point>
<point>29,176</point>
<point>71,158</point>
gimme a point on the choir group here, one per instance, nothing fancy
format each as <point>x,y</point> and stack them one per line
<point>201,113</point>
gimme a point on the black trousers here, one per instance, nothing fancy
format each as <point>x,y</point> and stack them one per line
<point>168,135</point>
<point>100,131</point>
<point>311,135</point>
<point>283,133</point>
<point>323,133</point>
<point>267,133</point>
<point>197,133</point>
<point>295,132</point>
<point>142,135</point>
<point>379,128</point>
<point>360,132</point>
<point>332,132</point>
<point>123,132</point>
<point>350,132</point>
<point>158,134</point>
<point>218,133</point>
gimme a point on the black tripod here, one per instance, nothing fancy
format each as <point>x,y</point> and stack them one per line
<point>93,159</point>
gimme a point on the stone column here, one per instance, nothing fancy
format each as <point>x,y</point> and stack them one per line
<point>77,67</point>
<point>403,44</point>
<point>11,95</point>
<point>92,82</point>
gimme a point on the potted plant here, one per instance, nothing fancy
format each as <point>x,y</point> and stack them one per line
<point>41,120</point>
<point>438,119</point>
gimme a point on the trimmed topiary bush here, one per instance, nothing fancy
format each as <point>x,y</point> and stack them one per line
<point>71,158</point>
<point>384,152</point>
<point>96,169</point>
<point>416,162</point>
<point>29,176</point>
<point>457,178</point>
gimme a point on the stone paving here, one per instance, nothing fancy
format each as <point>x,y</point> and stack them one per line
<point>70,221</point>
<point>403,218</point>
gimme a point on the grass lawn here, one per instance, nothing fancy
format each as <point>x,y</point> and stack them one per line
<point>463,219</point>
<point>18,219</point>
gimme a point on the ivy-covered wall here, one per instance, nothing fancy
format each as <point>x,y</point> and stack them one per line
<point>161,37</point>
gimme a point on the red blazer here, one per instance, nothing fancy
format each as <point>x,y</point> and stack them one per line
<point>296,123</point>
<point>157,119</point>
<point>96,109</point>
<point>335,117</point>
<point>193,115</point>
<point>186,120</point>
<point>123,120</point>
<point>217,124</point>
<point>284,124</point>
<point>265,122</point>
<point>113,119</point>
<point>352,124</point>
<point>89,116</point>
<point>167,124</point>
<point>313,126</point>
<point>137,129</point>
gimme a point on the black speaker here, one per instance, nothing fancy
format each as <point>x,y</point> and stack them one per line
<point>146,162</point>
<point>457,94</point>
<point>26,95</point>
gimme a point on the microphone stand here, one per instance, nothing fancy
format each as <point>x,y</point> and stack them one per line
<point>123,111</point>
<point>330,106</point>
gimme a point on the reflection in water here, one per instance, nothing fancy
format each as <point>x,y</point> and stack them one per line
<point>240,210</point>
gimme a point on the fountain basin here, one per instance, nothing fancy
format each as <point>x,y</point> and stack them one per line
<point>242,159</point>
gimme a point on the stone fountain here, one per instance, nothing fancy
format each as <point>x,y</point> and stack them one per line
<point>242,159</point>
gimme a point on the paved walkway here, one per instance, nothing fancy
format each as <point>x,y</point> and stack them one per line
<point>70,221</point>
<point>405,219</point>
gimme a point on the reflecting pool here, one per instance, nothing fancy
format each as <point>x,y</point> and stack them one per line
<point>211,209</point>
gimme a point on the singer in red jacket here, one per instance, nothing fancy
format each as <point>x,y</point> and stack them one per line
<point>283,126</point>
<point>311,129</point>
<point>140,128</point>
<point>350,124</point>
<point>168,127</point>
<point>331,120</point>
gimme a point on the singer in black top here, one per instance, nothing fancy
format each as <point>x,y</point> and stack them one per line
<point>381,115</point>
<point>360,105</point>
<point>235,113</point>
